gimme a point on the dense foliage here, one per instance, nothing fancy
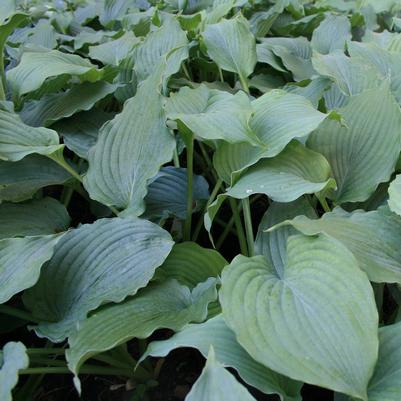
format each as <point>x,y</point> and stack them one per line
<point>214,175</point>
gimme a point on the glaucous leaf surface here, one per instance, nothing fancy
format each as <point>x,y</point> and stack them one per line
<point>18,140</point>
<point>13,357</point>
<point>394,193</point>
<point>321,296</point>
<point>371,236</point>
<point>20,180</point>
<point>215,333</point>
<point>94,264</point>
<point>273,244</point>
<point>332,34</point>
<point>190,264</point>
<point>231,44</point>
<point>56,106</point>
<point>363,154</point>
<point>386,381</point>
<point>216,383</point>
<point>21,260</point>
<point>167,305</point>
<point>167,194</point>
<point>36,66</point>
<point>36,217</point>
<point>118,171</point>
<point>80,131</point>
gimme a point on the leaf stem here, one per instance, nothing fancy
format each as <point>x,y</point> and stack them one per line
<point>88,370</point>
<point>190,170</point>
<point>324,204</point>
<point>244,83</point>
<point>59,159</point>
<point>209,202</point>
<point>18,313</point>
<point>248,226</point>
<point>176,159</point>
<point>238,224</point>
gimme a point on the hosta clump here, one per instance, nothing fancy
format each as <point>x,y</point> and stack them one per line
<point>218,178</point>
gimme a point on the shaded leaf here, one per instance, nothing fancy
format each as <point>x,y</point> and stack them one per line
<point>394,192</point>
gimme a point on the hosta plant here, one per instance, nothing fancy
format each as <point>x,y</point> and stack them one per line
<point>200,200</point>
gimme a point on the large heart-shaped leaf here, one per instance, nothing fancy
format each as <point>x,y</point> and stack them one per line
<point>371,236</point>
<point>315,322</point>
<point>215,333</point>
<point>216,383</point>
<point>96,263</point>
<point>364,153</point>
<point>168,305</point>
<point>21,260</point>
<point>118,171</point>
<point>37,217</point>
<point>13,357</point>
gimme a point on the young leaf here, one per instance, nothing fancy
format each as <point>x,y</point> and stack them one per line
<point>214,332</point>
<point>231,45</point>
<point>216,383</point>
<point>13,358</point>
<point>21,260</point>
<point>36,217</point>
<point>316,322</point>
<point>190,264</point>
<point>363,154</point>
<point>96,263</point>
<point>168,305</point>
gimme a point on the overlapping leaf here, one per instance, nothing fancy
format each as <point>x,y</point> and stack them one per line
<point>321,297</point>
<point>94,264</point>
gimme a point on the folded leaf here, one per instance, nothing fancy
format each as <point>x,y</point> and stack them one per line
<point>36,217</point>
<point>12,358</point>
<point>332,34</point>
<point>231,45</point>
<point>54,107</point>
<point>284,178</point>
<point>190,264</point>
<point>94,264</point>
<point>363,154</point>
<point>167,194</point>
<point>168,305</point>
<point>18,140</point>
<point>36,66</point>
<point>20,180</point>
<point>118,171</point>
<point>321,296</point>
<point>371,236</point>
<point>21,260</point>
<point>215,333</point>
